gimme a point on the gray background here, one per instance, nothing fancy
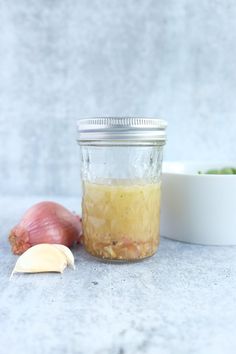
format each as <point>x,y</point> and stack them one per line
<point>63,59</point>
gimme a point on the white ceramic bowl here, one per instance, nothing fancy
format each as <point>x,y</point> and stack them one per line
<point>198,208</point>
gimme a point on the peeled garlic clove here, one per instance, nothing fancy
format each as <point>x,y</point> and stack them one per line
<point>67,252</point>
<point>41,258</point>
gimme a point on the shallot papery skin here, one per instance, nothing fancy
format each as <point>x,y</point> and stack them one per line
<point>45,222</point>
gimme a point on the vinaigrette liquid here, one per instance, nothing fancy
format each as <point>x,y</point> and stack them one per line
<point>121,221</point>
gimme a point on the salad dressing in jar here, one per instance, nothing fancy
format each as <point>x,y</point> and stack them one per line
<point>121,175</point>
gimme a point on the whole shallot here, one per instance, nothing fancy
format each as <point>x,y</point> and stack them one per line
<point>45,222</point>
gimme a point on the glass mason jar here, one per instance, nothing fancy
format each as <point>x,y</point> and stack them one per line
<point>121,161</point>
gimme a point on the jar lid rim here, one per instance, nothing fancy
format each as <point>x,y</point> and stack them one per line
<point>121,129</point>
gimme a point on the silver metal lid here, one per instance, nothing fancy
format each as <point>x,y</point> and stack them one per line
<point>122,129</point>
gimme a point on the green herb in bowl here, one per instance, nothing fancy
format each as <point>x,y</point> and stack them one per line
<point>223,171</point>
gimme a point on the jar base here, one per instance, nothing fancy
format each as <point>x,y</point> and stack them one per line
<point>120,261</point>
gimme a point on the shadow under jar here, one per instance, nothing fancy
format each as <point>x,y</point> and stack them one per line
<point>121,161</point>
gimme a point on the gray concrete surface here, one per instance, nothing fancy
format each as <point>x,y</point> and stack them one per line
<point>180,301</point>
<point>63,59</point>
